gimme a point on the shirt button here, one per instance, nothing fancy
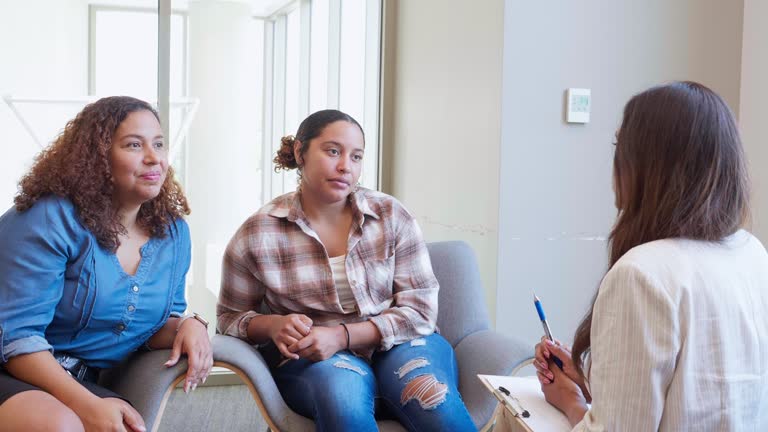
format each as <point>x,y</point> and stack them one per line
<point>121,327</point>
<point>131,308</point>
<point>135,288</point>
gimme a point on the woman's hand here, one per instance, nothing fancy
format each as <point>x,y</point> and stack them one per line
<point>321,343</point>
<point>286,330</point>
<point>192,340</point>
<point>544,352</point>
<point>108,415</point>
<point>565,394</point>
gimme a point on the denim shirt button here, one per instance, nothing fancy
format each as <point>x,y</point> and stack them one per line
<point>135,288</point>
<point>121,327</point>
<point>131,308</point>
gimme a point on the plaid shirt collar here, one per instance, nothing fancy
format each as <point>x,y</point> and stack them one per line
<point>290,208</point>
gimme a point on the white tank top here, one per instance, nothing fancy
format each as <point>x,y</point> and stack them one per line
<point>346,298</point>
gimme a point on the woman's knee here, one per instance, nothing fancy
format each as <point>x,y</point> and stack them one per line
<point>426,390</point>
<point>422,356</point>
<point>430,404</point>
<point>22,412</point>
<point>340,386</point>
<point>340,409</point>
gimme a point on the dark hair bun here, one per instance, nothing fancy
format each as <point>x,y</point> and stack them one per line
<point>284,160</point>
<point>309,129</point>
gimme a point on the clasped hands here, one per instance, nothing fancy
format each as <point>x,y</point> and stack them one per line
<point>565,389</point>
<point>296,338</point>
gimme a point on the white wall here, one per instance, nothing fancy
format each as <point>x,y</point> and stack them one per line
<point>224,179</point>
<point>754,108</point>
<point>556,202</point>
<point>43,53</point>
<point>442,126</point>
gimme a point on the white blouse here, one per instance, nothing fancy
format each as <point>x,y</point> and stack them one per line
<point>680,339</point>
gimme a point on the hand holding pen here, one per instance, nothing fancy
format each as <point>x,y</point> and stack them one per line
<point>547,332</point>
<point>547,349</point>
<point>551,348</point>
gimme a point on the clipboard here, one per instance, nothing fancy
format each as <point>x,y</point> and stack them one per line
<point>525,395</point>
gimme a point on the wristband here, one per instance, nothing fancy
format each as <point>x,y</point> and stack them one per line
<point>346,330</point>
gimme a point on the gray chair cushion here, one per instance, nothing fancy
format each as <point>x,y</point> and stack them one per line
<point>461,301</point>
<point>489,353</point>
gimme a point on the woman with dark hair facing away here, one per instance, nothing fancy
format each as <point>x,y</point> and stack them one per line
<point>349,292</point>
<point>93,261</point>
<point>677,335</point>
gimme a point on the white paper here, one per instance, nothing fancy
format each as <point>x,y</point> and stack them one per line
<point>543,416</point>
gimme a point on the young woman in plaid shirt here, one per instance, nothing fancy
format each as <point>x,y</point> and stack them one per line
<point>334,282</point>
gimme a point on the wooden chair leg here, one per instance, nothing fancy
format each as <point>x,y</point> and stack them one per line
<point>256,397</point>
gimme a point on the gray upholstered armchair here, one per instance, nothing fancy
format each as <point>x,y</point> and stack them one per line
<point>462,319</point>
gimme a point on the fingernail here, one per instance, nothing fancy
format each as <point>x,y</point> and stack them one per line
<point>549,342</point>
<point>194,386</point>
<point>204,378</point>
<point>186,387</point>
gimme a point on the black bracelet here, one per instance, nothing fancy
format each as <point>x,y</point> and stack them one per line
<point>346,330</point>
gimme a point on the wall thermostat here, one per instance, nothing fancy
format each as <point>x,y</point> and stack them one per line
<point>578,102</point>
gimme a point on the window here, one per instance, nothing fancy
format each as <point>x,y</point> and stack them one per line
<point>123,54</point>
<point>234,76</point>
<point>321,54</point>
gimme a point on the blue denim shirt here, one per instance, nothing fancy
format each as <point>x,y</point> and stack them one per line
<point>60,291</point>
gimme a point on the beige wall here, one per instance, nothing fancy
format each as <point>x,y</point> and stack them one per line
<point>441,125</point>
<point>754,108</point>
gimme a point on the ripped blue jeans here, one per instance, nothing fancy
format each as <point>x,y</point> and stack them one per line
<point>415,383</point>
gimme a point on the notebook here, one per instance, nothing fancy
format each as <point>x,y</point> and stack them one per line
<point>543,417</point>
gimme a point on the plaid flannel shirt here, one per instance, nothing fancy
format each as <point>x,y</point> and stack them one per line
<point>276,260</point>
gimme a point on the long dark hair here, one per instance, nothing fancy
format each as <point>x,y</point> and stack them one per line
<point>679,171</point>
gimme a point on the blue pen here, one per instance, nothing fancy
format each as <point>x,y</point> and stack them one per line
<point>548,333</point>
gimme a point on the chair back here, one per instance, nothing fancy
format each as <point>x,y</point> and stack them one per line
<point>461,300</point>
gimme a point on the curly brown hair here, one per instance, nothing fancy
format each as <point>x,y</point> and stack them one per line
<point>83,147</point>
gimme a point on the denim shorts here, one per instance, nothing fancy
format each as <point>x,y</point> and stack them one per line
<point>10,386</point>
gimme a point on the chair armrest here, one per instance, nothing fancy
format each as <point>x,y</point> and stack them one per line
<point>489,353</point>
<point>246,361</point>
<point>145,381</point>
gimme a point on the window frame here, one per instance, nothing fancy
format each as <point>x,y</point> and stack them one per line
<point>275,48</point>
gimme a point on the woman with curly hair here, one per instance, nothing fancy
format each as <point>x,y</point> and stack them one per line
<point>93,259</point>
